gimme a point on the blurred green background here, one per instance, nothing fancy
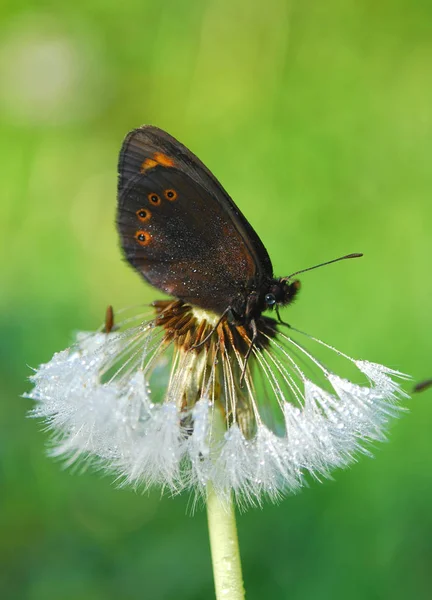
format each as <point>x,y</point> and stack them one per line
<point>316,116</point>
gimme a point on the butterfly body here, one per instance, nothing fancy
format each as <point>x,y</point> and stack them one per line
<point>183,233</point>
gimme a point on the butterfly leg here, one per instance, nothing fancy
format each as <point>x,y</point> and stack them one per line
<point>249,352</point>
<point>208,336</point>
<point>279,318</point>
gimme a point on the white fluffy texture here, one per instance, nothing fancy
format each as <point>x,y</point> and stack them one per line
<point>116,425</point>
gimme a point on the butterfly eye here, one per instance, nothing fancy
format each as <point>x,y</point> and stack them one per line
<point>154,198</point>
<point>143,237</point>
<point>143,215</point>
<point>170,195</point>
<point>270,299</point>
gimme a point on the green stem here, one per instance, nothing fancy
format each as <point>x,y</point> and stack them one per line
<point>225,549</point>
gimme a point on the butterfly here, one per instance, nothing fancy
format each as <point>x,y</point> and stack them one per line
<point>183,233</point>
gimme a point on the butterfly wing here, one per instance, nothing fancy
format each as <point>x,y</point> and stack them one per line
<point>179,228</point>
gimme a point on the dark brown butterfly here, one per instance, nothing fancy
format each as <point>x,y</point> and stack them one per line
<point>183,233</point>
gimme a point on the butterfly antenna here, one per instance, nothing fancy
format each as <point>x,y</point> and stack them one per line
<point>329,262</point>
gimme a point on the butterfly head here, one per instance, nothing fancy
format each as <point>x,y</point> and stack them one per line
<point>281,292</point>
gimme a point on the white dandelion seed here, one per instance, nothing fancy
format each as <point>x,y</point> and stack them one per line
<point>155,410</point>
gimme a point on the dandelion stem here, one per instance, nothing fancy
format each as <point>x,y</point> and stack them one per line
<point>224,546</point>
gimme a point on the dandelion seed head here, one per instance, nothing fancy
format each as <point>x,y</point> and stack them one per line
<point>161,402</point>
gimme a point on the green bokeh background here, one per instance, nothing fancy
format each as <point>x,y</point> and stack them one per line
<point>316,116</point>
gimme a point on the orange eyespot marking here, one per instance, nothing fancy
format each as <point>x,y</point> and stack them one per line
<point>163,159</point>
<point>149,163</point>
<point>143,214</point>
<point>143,237</point>
<point>170,195</point>
<point>154,198</point>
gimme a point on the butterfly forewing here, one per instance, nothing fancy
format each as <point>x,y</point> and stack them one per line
<point>179,228</point>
